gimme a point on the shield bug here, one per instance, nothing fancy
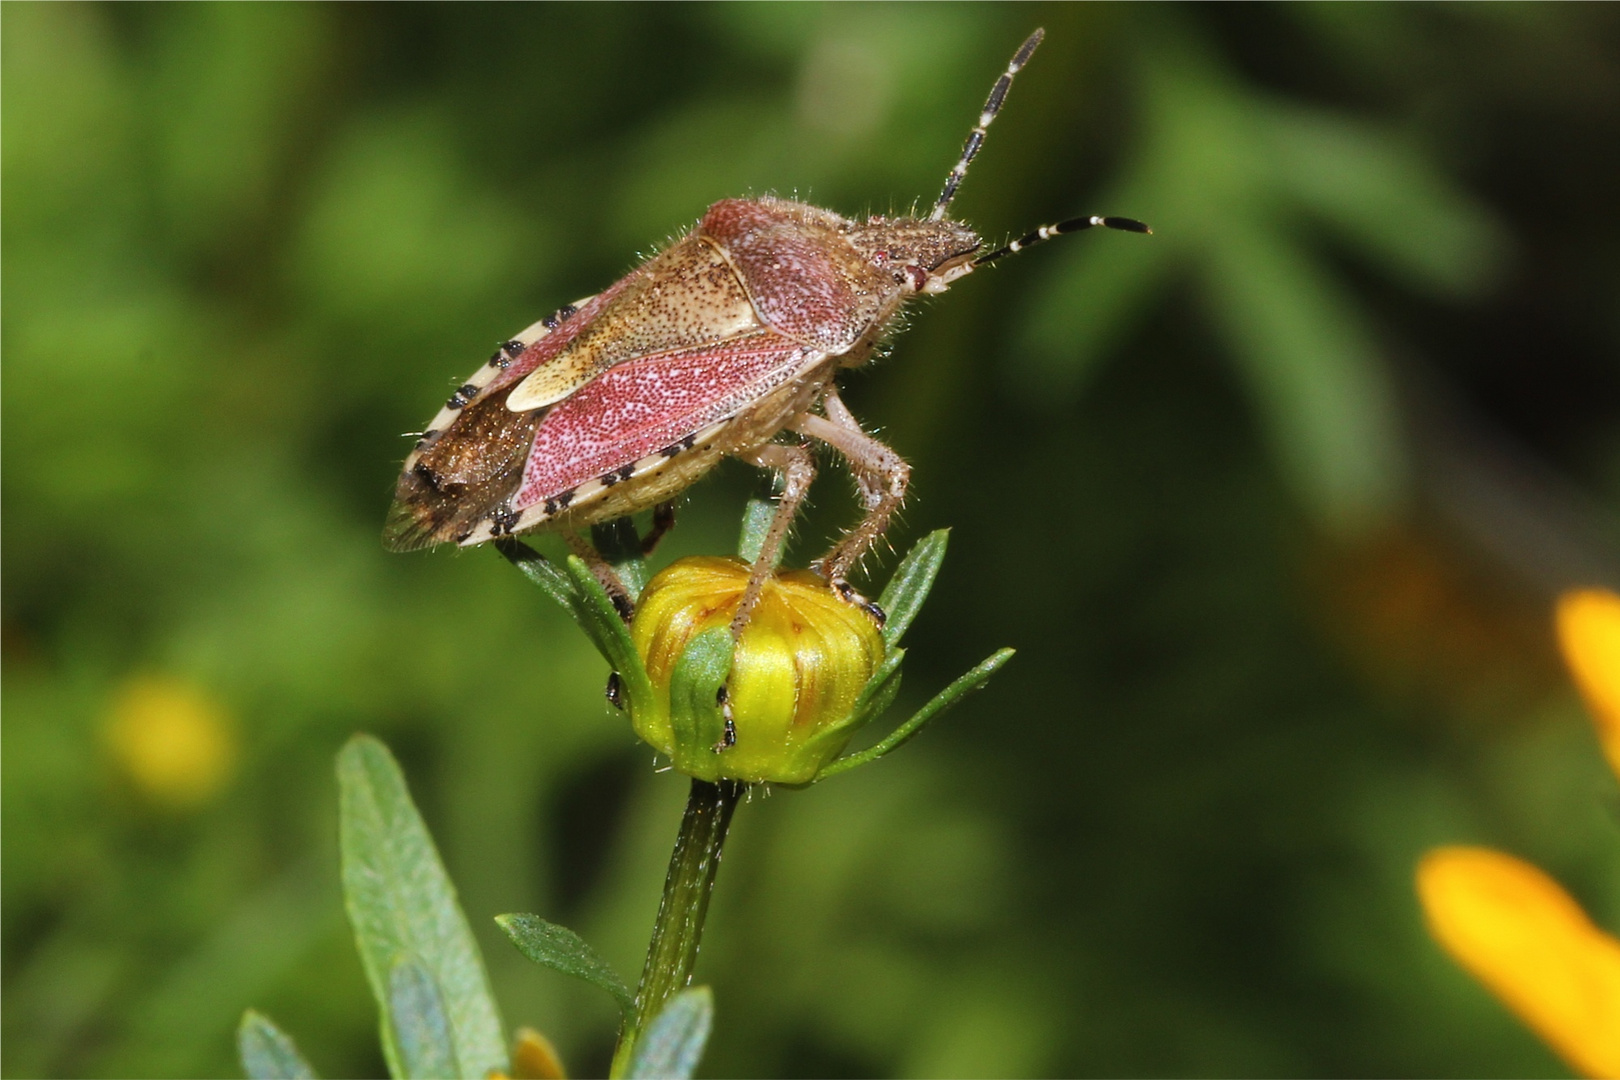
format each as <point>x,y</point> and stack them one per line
<point>730,337</point>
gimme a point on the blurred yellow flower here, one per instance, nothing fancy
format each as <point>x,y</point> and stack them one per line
<point>171,740</point>
<point>1522,935</point>
<point>1589,634</point>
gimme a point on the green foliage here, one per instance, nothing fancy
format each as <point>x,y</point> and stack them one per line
<point>438,1018</point>
<point>560,949</point>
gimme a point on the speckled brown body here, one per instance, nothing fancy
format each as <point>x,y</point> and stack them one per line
<point>709,349</point>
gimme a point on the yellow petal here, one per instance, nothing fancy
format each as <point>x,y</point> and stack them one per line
<point>1589,633</point>
<point>1522,935</point>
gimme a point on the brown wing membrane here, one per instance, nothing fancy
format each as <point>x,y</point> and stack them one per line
<point>468,472</point>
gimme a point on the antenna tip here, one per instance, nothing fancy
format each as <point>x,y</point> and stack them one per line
<point>1027,49</point>
<point>1126,224</point>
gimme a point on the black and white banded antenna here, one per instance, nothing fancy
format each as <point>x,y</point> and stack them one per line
<point>1047,232</point>
<point>970,150</point>
<point>975,139</point>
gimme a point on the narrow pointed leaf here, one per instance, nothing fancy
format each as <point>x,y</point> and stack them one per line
<point>267,1052</point>
<point>672,1045</point>
<point>904,595</point>
<point>538,569</point>
<point>947,697</point>
<point>560,949</point>
<point>421,1027</point>
<point>401,903</point>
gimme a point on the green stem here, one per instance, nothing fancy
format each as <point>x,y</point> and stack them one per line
<point>672,953</point>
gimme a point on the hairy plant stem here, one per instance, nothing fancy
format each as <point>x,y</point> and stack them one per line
<point>672,952</point>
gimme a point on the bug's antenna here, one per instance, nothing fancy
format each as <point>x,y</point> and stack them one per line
<point>1046,232</point>
<point>992,105</point>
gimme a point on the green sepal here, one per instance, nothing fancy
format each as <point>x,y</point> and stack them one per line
<point>267,1052</point>
<point>756,522</point>
<point>882,685</point>
<point>560,949</point>
<point>969,682</point>
<point>672,1045</point>
<point>694,708</point>
<point>421,1028</point>
<point>602,624</point>
<point>903,596</point>
<point>402,904</point>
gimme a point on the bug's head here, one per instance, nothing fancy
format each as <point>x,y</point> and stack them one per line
<point>924,256</point>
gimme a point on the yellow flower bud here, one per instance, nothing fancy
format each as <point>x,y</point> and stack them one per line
<point>796,673</point>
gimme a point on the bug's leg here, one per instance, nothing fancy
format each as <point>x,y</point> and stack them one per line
<point>663,520</point>
<point>869,484</point>
<point>798,468</point>
<point>886,475</point>
<point>604,573</point>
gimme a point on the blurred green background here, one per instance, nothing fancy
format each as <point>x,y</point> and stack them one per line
<point>1273,504</point>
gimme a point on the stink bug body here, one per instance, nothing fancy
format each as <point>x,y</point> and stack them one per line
<point>714,347</point>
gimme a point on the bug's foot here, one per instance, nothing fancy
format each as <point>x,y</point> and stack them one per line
<point>728,739</point>
<point>845,590</point>
<point>615,691</point>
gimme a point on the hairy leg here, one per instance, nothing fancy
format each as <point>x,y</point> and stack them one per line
<point>881,474</point>
<point>798,469</point>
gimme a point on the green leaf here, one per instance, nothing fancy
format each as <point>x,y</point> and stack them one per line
<point>267,1052</point>
<point>560,949</point>
<point>401,904</point>
<point>904,595</point>
<point>672,1045</point>
<point>971,681</point>
<point>538,569</point>
<point>694,685</point>
<point>420,1026</point>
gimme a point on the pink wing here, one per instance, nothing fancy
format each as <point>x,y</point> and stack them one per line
<point>645,408</point>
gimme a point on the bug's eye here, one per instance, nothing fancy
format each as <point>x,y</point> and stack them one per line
<point>916,277</point>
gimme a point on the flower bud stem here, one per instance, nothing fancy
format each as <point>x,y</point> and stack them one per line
<point>672,953</point>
